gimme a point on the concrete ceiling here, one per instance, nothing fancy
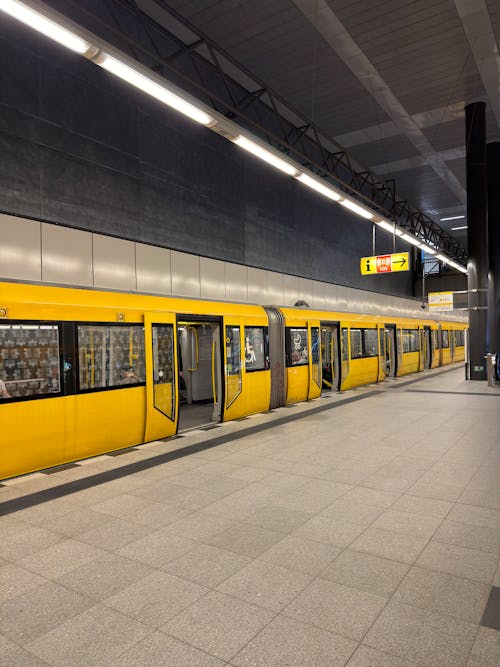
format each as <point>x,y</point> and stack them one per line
<point>387,79</point>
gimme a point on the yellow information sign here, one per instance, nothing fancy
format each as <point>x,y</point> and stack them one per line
<point>398,261</point>
<point>439,301</point>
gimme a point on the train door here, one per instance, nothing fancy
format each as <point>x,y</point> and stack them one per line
<point>345,355</point>
<point>451,337</point>
<point>390,351</point>
<point>200,377</point>
<point>330,357</point>
<point>161,375</point>
<point>314,360</point>
<point>381,353</point>
<point>427,345</point>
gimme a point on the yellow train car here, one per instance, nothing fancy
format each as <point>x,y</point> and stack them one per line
<point>84,372</point>
<point>88,372</point>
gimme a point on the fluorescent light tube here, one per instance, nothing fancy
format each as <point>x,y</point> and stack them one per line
<point>355,208</point>
<point>411,239</point>
<point>318,186</point>
<point>453,217</point>
<point>443,259</point>
<point>44,25</point>
<point>389,227</point>
<point>427,249</point>
<point>461,268</point>
<point>454,229</point>
<point>150,87</point>
<point>269,157</point>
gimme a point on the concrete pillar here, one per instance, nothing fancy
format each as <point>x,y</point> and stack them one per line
<point>493,161</point>
<point>477,235</point>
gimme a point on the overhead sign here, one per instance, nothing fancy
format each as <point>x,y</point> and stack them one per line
<point>439,301</point>
<point>398,261</point>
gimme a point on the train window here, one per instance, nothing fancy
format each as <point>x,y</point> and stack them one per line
<point>29,360</point>
<point>459,338</point>
<point>371,342</point>
<point>410,340</point>
<point>445,338</point>
<point>256,354</point>
<point>110,355</point>
<point>435,340</point>
<point>345,347</point>
<point>296,346</point>
<point>233,364</point>
<point>163,369</point>
<point>356,344</point>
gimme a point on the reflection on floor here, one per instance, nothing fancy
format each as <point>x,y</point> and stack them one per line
<point>191,416</point>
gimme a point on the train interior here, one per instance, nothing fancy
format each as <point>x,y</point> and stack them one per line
<point>200,381</point>
<point>390,351</point>
<point>330,357</point>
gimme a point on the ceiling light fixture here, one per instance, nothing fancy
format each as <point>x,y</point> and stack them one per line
<point>453,217</point>
<point>150,87</point>
<point>443,259</point>
<point>45,26</point>
<point>356,208</point>
<point>411,239</point>
<point>427,249</point>
<point>318,186</point>
<point>389,227</point>
<point>455,229</point>
<point>262,153</point>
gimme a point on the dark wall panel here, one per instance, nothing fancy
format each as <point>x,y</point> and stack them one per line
<point>80,148</point>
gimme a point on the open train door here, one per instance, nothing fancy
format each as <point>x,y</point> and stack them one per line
<point>382,363</point>
<point>160,337</point>
<point>314,359</point>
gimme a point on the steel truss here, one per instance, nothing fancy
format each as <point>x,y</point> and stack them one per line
<point>184,55</point>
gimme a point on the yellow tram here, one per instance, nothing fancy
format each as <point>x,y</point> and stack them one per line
<point>88,372</point>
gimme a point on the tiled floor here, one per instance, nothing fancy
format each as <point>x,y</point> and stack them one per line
<point>360,529</point>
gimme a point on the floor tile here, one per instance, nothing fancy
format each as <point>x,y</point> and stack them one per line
<point>449,492</point>
<point>366,572</point>
<point>207,565</point>
<point>486,649</point>
<point>199,527</point>
<point>369,657</point>
<point>158,548</point>
<point>305,556</point>
<point>274,517</point>
<point>114,534</point>
<point>404,523</point>
<point>287,642</point>
<point>218,624</point>
<point>28,616</point>
<point>78,521</point>
<point>386,544</point>
<point>336,608</point>
<point>444,594</point>
<point>104,576</point>
<point>96,636</point>
<point>491,616</point>
<point>21,541</point>
<point>56,560</point>
<point>476,516</point>
<point>427,506</point>
<point>120,505</point>
<point>459,561</point>
<point>246,539</point>
<point>16,580</point>
<point>266,585</point>
<point>431,639</point>
<point>11,655</point>
<point>337,532</point>
<point>469,535</point>
<point>161,650</point>
<point>156,598</point>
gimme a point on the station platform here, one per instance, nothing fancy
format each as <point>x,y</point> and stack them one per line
<point>359,529</point>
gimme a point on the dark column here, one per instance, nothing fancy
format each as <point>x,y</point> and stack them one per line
<point>477,266</point>
<point>493,158</point>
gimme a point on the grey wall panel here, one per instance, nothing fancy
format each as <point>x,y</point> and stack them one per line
<point>291,287</point>
<point>66,256</point>
<point>185,274</point>
<point>20,176</point>
<point>20,248</point>
<point>114,263</point>
<point>257,286</point>
<point>19,75</point>
<point>153,269</point>
<point>275,287</point>
<point>84,194</point>
<point>212,279</point>
<point>236,282</point>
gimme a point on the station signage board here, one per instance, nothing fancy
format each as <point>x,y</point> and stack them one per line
<point>398,261</point>
<point>439,301</point>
